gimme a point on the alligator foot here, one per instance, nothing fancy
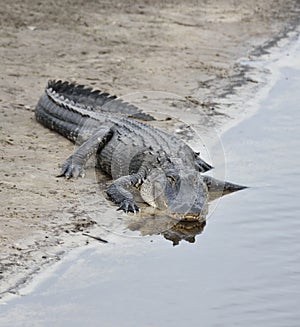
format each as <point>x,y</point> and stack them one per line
<point>128,206</point>
<point>71,168</point>
<point>119,192</point>
<point>74,166</point>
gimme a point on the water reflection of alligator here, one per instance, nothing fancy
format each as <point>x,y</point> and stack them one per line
<point>171,229</point>
<point>165,170</point>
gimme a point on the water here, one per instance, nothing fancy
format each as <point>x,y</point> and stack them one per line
<point>244,270</point>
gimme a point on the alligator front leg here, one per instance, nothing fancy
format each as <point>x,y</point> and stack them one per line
<point>118,192</point>
<point>74,165</point>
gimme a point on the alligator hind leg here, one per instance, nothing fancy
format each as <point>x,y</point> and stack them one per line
<point>74,165</point>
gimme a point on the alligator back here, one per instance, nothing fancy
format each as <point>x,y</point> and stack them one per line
<point>70,109</point>
<point>77,113</point>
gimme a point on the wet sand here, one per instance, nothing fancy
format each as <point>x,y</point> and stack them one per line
<point>189,49</point>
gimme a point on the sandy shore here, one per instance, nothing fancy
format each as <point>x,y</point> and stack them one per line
<point>191,49</point>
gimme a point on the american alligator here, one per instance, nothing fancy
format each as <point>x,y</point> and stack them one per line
<point>165,170</point>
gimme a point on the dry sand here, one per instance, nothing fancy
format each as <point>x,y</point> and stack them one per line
<point>189,48</point>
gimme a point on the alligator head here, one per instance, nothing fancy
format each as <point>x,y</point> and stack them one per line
<point>177,190</point>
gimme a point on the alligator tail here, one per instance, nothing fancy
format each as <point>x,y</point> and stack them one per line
<point>96,100</point>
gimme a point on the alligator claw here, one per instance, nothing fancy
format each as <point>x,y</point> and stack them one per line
<point>128,206</point>
<point>71,169</point>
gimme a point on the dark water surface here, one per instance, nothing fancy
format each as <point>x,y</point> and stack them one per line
<point>244,270</point>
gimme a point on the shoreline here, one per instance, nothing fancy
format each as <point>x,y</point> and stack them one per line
<point>264,72</point>
<point>43,218</point>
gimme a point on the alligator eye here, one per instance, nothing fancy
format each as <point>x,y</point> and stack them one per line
<point>171,179</point>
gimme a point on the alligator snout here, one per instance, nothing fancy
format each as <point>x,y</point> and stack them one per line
<point>187,212</point>
<point>190,202</point>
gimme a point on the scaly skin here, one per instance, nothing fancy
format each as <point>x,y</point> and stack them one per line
<point>165,169</point>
